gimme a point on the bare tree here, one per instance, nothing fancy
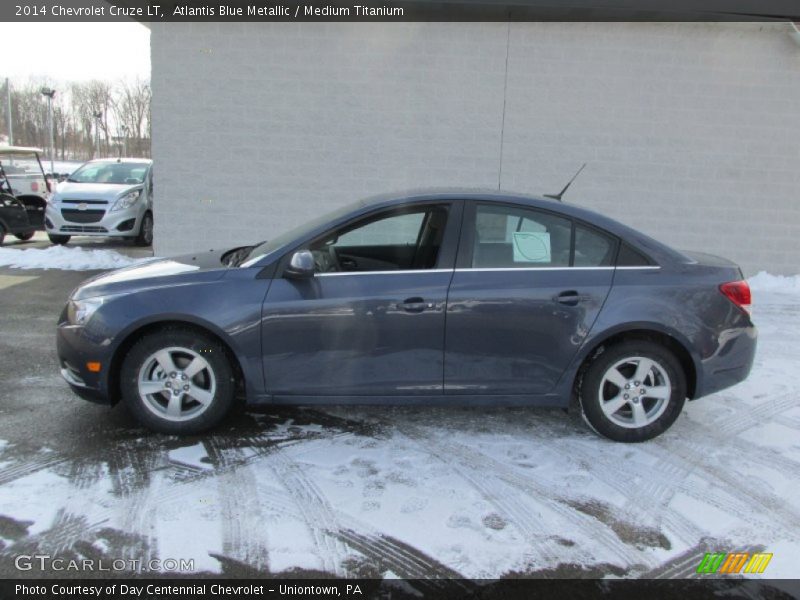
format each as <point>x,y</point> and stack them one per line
<point>124,106</point>
<point>132,112</point>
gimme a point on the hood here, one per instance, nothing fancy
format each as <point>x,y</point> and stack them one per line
<point>180,270</point>
<point>93,191</point>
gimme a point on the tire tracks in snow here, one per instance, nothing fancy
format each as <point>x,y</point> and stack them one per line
<point>244,536</point>
<point>488,469</point>
<point>617,475</point>
<point>326,522</point>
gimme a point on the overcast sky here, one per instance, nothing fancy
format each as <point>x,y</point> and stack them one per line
<point>74,51</point>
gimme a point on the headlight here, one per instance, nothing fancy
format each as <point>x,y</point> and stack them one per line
<point>127,200</point>
<point>80,311</point>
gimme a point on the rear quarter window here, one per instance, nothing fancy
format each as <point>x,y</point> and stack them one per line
<point>593,248</point>
<point>630,257</point>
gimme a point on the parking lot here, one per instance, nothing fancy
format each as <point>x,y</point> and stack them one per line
<point>382,492</point>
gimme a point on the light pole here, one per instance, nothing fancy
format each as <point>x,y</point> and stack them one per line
<point>49,93</point>
<point>97,116</point>
<point>10,116</point>
<point>124,140</point>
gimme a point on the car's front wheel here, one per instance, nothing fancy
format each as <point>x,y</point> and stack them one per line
<point>145,237</point>
<point>178,381</point>
<point>58,239</point>
<point>633,391</point>
<point>24,236</point>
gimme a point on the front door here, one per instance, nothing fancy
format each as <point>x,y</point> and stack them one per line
<point>371,320</point>
<point>529,286</point>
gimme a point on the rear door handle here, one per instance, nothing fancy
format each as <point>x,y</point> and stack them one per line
<point>570,298</point>
<point>414,305</point>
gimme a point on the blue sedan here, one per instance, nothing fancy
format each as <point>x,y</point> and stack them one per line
<point>440,298</point>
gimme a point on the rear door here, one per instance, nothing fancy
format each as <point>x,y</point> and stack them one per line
<point>528,286</point>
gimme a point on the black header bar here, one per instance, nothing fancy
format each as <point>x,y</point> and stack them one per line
<point>398,10</point>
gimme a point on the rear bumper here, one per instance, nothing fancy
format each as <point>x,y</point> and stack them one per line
<point>731,363</point>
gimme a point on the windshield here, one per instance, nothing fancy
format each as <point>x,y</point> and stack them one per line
<point>110,172</point>
<point>262,250</point>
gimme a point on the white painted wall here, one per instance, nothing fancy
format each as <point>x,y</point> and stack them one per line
<point>691,131</point>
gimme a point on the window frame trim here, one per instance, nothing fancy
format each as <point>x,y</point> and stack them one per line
<point>447,251</point>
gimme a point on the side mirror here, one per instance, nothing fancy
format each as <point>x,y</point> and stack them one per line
<point>301,265</point>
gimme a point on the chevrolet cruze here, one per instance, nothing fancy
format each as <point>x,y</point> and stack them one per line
<point>441,298</point>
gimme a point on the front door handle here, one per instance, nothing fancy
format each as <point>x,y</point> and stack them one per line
<point>570,298</point>
<point>414,305</point>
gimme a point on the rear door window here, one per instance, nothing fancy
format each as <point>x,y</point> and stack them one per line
<point>509,237</point>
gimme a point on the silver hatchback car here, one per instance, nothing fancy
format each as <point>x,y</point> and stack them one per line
<point>104,198</point>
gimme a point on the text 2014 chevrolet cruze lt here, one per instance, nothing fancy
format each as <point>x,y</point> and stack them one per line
<point>437,298</point>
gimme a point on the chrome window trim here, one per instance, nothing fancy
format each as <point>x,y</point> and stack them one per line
<point>482,269</point>
<point>397,272</point>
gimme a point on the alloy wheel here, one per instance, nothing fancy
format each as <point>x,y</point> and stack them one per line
<point>176,383</point>
<point>634,392</point>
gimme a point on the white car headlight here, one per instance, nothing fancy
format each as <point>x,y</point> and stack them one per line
<point>127,200</point>
<point>80,311</point>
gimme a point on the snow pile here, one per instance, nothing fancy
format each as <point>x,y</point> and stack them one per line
<point>766,282</point>
<point>68,259</point>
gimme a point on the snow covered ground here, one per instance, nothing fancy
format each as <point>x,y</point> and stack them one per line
<point>70,258</point>
<point>437,493</point>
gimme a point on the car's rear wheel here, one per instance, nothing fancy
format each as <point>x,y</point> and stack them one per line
<point>58,239</point>
<point>145,237</point>
<point>633,391</point>
<point>24,236</point>
<point>2,234</point>
<point>178,381</point>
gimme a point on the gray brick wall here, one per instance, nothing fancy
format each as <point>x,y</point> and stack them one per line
<point>691,131</point>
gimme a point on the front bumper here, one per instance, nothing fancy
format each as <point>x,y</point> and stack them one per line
<point>96,220</point>
<point>74,350</point>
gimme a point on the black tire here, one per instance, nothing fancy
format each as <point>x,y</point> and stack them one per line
<point>620,426</point>
<point>58,239</point>
<point>24,236</point>
<point>2,234</point>
<point>140,356</point>
<point>145,237</point>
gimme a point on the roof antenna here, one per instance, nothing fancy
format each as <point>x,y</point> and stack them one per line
<point>566,187</point>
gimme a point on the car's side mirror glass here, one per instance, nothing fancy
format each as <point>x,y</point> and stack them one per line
<point>301,265</point>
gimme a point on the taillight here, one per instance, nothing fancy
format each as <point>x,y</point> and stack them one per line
<point>34,186</point>
<point>738,292</point>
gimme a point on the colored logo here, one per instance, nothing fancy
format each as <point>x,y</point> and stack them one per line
<point>735,562</point>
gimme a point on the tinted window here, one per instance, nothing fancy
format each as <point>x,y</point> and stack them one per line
<point>393,241</point>
<point>628,257</point>
<point>399,229</point>
<point>507,237</point>
<point>593,248</point>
